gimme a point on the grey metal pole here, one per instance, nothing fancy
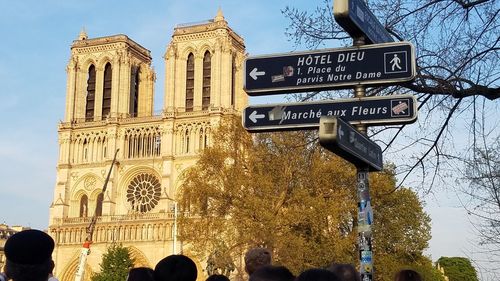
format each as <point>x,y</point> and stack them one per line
<point>175,228</point>
<point>365,212</point>
<point>365,220</point>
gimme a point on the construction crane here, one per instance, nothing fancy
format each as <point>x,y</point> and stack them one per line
<point>80,270</point>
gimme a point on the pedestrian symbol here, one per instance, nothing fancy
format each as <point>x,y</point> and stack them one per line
<point>395,62</point>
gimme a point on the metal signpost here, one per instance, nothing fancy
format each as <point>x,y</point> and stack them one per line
<point>339,136</point>
<point>342,123</point>
<point>396,109</point>
<point>355,18</point>
<point>382,64</point>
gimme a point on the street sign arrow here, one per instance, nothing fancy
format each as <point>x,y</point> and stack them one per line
<point>343,139</point>
<point>255,74</point>
<point>254,116</point>
<point>370,65</point>
<point>375,111</point>
<point>355,17</point>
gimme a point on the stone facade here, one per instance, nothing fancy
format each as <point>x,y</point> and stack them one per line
<point>109,108</point>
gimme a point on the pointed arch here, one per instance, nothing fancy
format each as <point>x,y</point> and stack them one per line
<point>84,206</point>
<point>68,274</point>
<point>99,201</point>
<point>106,90</point>
<point>190,82</point>
<point>140,260</point>
<point>104,59</point>
<point>90,97</point>
<point>134,90</point>
<point>186,140</point>
<point>207,72</point>
<point>201,138</point>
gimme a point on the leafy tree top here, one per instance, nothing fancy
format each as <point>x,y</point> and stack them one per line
<point>284,192</point>
<point>115,265</point>
<point>458,268</point>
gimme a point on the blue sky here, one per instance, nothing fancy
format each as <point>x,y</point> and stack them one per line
<point>36,38</point>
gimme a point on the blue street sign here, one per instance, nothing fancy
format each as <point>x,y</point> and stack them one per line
<point>378,111</point>
<point>344,140</point>
<point>355,17</point>
<point>370,65</point>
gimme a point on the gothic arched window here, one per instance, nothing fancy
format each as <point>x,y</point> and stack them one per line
<point>98,209</point>
<point>134,91</point>
<point>207,64</point>
<point>89,106</point>
<point>200,140</point>
<point>106,90</point>
<point>84,206</point>
<point>186,141</point>
<point>85,150</point>
<point>190,82</point>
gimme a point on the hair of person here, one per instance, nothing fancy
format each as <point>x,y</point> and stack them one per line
<point>256,258</point>
<point>345,271</point>
<point>28,272</point>
<point>141,274</point>
<point>176,268</point>
<point>407,275</point>
<point>28,256</point>
<point>317,274</point>
<point>217,277</point>
<point>272,273</point>
<point>29,247</point>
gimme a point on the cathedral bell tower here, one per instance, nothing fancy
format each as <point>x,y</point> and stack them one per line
<point>204,68</point>
<point>105,77</point>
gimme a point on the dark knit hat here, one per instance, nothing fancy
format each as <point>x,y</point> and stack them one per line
<point>29,247</point>
<point>176,268</point>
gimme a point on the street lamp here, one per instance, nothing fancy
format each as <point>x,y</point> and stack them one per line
<point>175,227</point>
<point>174,247</point>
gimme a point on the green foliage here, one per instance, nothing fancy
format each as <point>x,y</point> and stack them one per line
<point>116,263</point>
<point>458,268</point>
<point>387,266</point>
<point>220,261</point>
<point>284,192</point>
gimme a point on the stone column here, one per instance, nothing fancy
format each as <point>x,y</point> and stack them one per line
<point>71,72</point>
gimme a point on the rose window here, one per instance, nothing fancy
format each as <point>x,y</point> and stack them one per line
<point>143,193</point>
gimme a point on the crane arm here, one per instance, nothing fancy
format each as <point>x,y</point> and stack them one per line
<point>90,230</point>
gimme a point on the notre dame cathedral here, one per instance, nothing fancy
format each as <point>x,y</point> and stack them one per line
<point>109,108</point>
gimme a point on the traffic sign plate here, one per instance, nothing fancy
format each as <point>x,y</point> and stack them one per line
<point>381,64</point>
<point>396,109</point>
<point>344,140</point>
<point>355,18</point>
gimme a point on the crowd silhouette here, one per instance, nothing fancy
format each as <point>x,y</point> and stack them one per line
<point>29,258</point>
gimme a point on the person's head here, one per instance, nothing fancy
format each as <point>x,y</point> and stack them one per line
<point>272,273</point>
<point>29,256</point>
<point>217,277</point>
<point>141,274</point>
<point>317,274</point>
<point>175,268</point>
<point>345,271</point>
<point>407,275</point>
<point>256,258</point>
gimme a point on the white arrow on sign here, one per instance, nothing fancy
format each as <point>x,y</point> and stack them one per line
<point>255,74</point>
<point>254,116</point>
